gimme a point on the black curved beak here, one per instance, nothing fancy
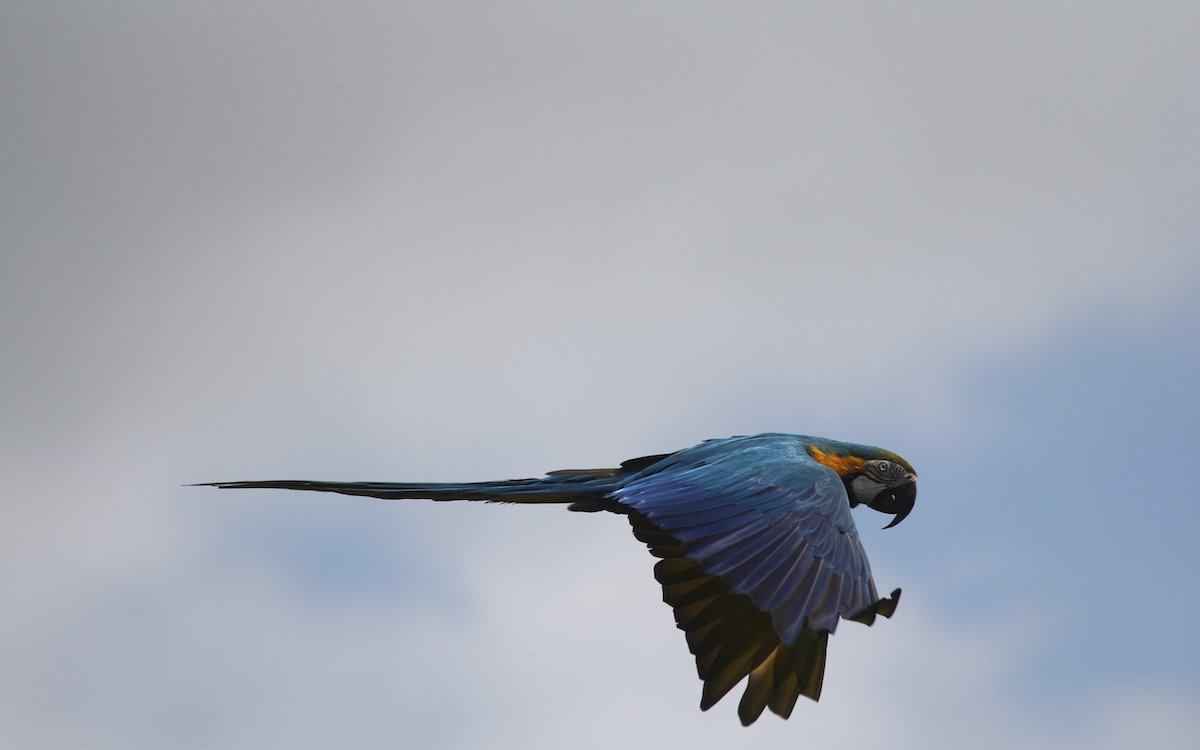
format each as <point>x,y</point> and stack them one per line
<point>898,501</point>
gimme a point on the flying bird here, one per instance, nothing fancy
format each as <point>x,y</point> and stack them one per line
<point>759,555</point>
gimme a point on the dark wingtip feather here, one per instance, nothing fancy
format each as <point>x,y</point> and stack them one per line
<point>760,686</point>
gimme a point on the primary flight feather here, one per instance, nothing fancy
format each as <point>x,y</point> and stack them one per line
<point>760,557</point>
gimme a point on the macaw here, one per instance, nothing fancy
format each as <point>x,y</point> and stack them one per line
<point>759,555</point>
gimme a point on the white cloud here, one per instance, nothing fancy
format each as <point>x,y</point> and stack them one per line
<point>564,641</point>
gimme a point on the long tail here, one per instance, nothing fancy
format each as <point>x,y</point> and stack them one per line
<point>583,487</point>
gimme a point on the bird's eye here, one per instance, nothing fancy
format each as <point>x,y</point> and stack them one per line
<point>885,469</point>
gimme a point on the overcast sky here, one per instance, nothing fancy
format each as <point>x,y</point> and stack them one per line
<point>467,240</point>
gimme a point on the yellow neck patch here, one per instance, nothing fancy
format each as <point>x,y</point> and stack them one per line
<point>843,465</point>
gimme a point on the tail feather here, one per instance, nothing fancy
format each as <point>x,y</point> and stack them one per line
<point>576,487</point>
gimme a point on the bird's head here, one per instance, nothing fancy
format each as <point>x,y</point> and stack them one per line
<point>873,477</point>
<point>886,486</point>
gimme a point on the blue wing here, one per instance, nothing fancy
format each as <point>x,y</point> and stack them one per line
<point>760,560</point>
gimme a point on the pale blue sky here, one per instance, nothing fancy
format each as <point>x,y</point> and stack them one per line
<point>454,242</point>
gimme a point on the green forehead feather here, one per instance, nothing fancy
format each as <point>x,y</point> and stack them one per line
<point>868,452</point>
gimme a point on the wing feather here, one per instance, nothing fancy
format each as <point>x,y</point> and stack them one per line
<point>760,560</point>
